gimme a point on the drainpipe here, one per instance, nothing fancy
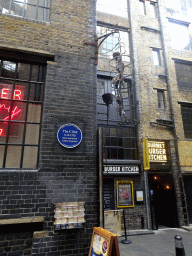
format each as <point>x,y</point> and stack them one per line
<point>170,97</point>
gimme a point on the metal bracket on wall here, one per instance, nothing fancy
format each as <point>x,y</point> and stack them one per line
<point>163,122</point>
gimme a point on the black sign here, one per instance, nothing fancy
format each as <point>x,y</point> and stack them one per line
<point>122,170</point>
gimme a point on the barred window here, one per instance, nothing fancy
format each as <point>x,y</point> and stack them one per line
<point>161,99</point>
<point>184,74</point>
<point>30,9</point>
<point>113,43</point>
<point>119,143</point>
<point>186,111</point>
<point>21,97</point>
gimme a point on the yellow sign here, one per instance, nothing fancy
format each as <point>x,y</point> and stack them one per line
<point>146,154</point>
<point>157,152</point>
<point>185,153</point>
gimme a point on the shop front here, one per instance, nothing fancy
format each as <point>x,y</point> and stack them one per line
<point>162,196</point>
<point>120,177</point>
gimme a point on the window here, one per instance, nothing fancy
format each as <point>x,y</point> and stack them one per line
<point>30,9</point>
<point>110,115</point>
<point>113,43</point>
<point>161,99</point>
<point>184,74</point>
<point>153,10</point>
<point>119,143</point>
<point>21,97</point>
<point>179,35</point>
<point>186,111</point>
<point>156,57</point>
<point>142,7</point>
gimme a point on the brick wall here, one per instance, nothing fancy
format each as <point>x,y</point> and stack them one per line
<point>64,175</point>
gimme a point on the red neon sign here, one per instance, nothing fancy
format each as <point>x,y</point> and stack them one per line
<point>5,108</point>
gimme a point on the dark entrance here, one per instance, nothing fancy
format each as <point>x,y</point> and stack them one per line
<point>188,190</point>
<point>162,201</point>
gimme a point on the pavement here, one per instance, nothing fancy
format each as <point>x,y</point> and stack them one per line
<point>157,242</point>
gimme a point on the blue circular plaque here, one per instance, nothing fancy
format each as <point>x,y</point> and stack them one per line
<point>69,135</point>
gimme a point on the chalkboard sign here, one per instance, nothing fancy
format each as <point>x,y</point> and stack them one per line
<point>103,243</point>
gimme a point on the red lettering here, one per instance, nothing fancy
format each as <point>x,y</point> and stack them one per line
<point>17,95</point>
<point>5,93</point>
<point>1,132</point>
<point>15,112</point>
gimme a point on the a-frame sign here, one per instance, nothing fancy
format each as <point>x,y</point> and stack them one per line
<point>103,243</point>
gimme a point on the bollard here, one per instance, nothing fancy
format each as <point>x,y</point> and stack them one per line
<point>179,248</point>
<point>142,221</point>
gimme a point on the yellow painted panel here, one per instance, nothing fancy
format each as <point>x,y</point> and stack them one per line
<point>185,153</point>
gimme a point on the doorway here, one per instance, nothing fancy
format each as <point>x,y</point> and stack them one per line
<point>188,190</point>
<point>162,201</point>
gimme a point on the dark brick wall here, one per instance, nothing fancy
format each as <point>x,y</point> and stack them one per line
<point>64,175</point>
<point>22,195</point>
<point>16,244</point>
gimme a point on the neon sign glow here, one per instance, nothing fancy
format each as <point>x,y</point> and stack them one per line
<point>5,108</point>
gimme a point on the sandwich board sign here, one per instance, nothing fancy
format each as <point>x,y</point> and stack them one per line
<point>103,243</point>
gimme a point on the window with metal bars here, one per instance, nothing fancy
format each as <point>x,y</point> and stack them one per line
<point>186,111</point>
<point>115,42</point>
<point>30,9</point>
<point>21,98</point>
<point>183,74</point>
<point>119,143</point>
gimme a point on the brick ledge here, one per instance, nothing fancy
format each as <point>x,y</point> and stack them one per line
<point>21,220</point>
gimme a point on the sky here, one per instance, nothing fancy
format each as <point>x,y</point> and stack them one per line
<point>117,7</point>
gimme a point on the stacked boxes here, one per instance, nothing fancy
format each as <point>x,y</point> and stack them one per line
<point>69,215</point>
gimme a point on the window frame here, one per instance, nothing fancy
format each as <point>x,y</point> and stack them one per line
<point>45,8</point>
<point>181,24</point>
<point>161,101</point>
<point>107,52</point>
<point>183,72</point>
<point>39,102</point>
<point>153,10</point>
<point>187,122</point>
<point>156,56</point>
<point>121,143</point>
<point>142,9</point>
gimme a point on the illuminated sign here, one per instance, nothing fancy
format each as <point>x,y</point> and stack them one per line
<point>157,152</point>
<point>128,169</point>
<point>8,110</point>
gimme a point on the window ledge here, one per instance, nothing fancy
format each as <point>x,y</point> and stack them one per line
<point>121,161</point>
<point>151,29</point>
<point>23,18</point>
<point>185,103</point>
<point>17,170</point>
<point>21,220</point>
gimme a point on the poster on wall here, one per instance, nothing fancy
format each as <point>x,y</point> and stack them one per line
<point>125,194</point>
